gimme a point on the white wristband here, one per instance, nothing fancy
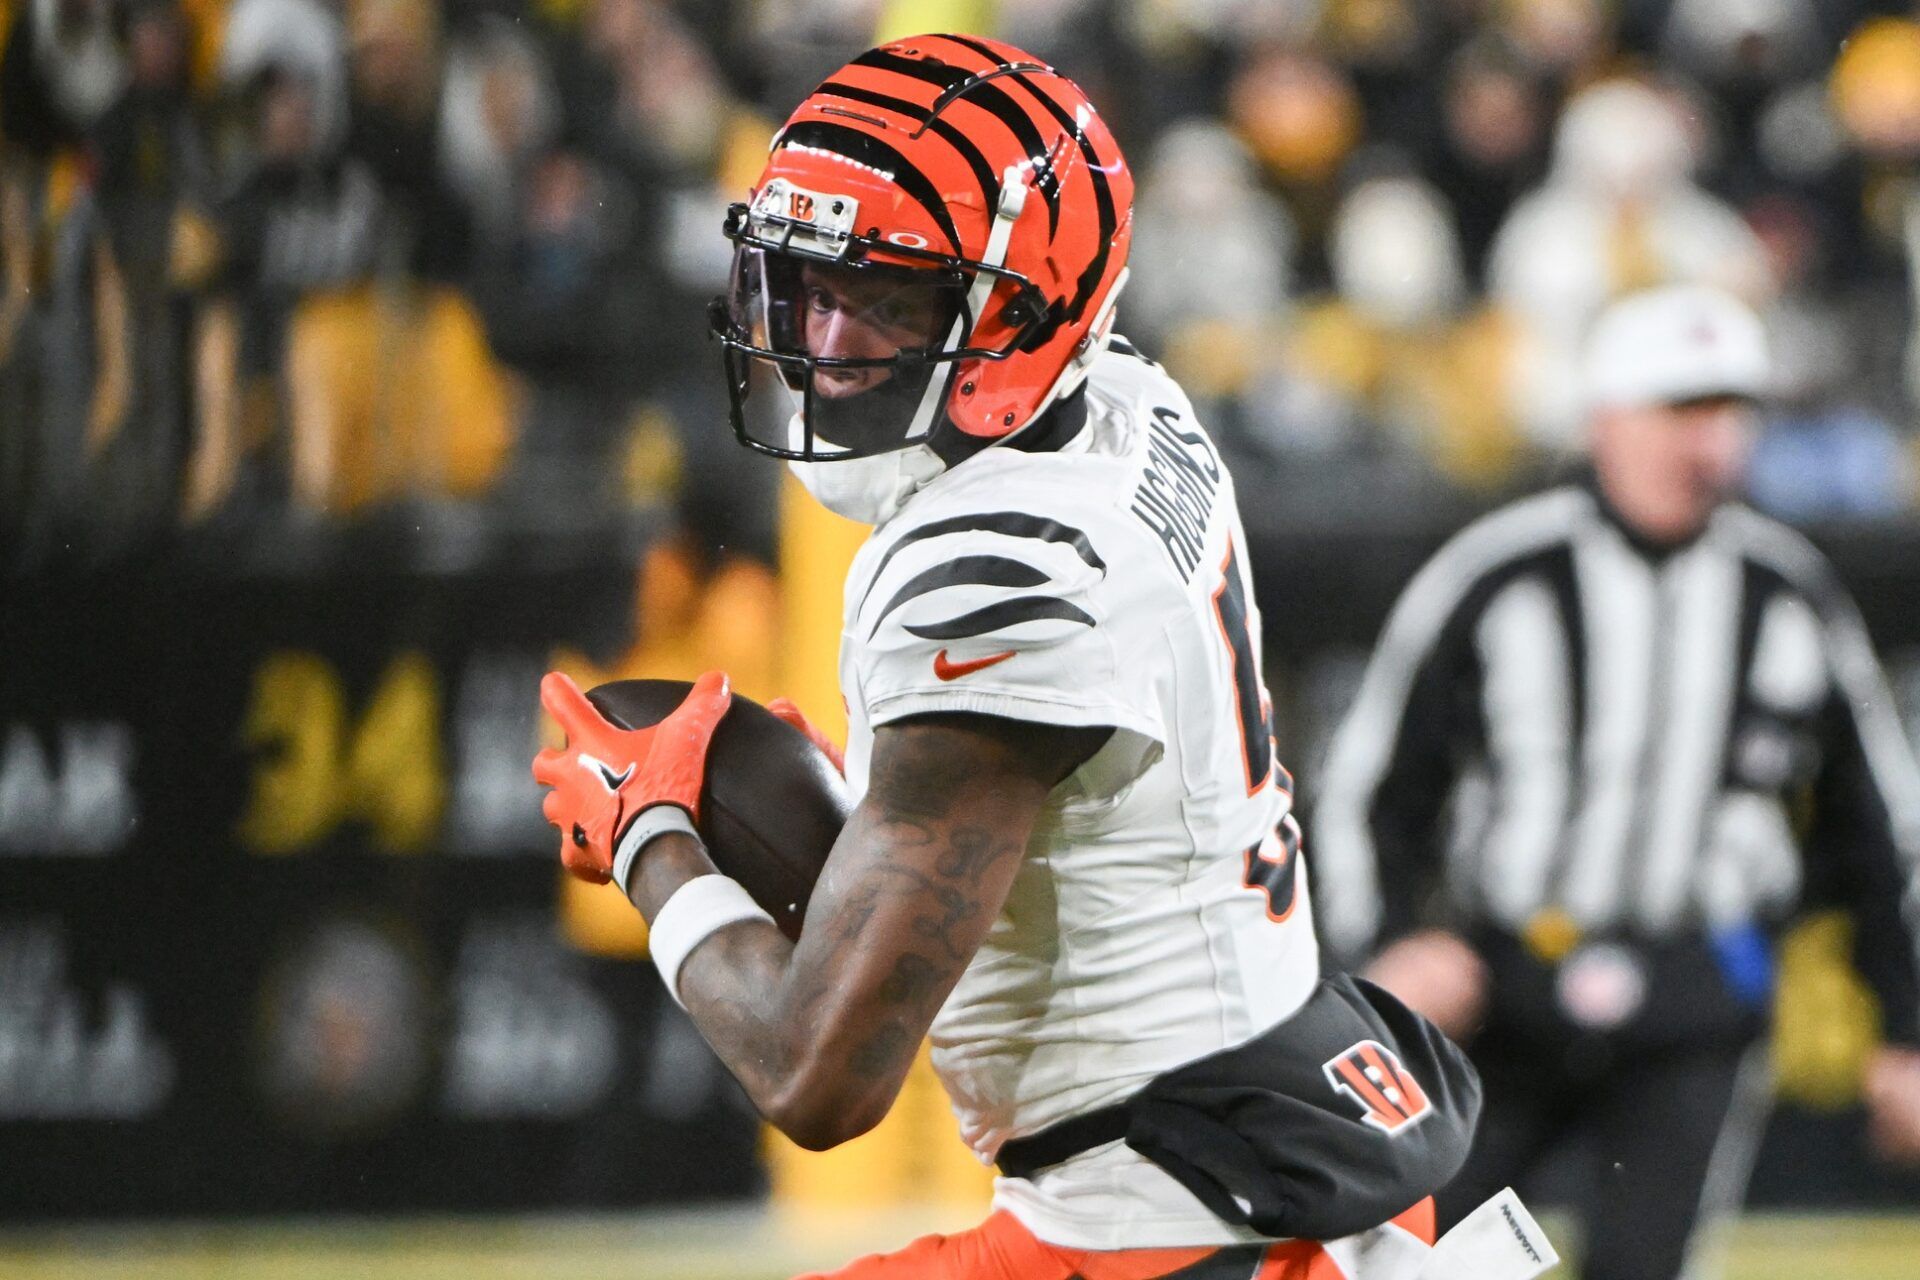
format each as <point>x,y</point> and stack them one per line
<point>698,909</point>
<point>654,820</point>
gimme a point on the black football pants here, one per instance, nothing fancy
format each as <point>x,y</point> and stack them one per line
<point>1675,1133</point>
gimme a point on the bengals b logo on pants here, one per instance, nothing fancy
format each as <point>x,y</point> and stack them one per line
<point>1390,1098</point>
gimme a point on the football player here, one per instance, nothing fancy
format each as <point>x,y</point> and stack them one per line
<point>1072,862</point>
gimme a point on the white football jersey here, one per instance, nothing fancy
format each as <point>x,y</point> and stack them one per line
<point>1160,914</point>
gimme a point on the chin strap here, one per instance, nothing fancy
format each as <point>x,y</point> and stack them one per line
<point>1013,199</point>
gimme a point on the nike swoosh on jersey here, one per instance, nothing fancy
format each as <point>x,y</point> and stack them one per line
<point>954,670</point>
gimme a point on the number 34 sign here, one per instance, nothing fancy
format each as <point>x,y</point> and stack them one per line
<point>319,764</point>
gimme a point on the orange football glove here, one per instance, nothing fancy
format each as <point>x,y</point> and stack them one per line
<point>786,710</point>
<point>606,775</point>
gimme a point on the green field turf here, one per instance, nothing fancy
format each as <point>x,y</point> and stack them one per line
<point>729,1246</point>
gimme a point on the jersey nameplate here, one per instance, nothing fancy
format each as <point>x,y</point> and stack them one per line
<point>1176,492</point>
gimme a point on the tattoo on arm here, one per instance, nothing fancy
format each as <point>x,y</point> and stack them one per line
<point>881,1055</point>
<point>914,883</point>
<point>912,977</point>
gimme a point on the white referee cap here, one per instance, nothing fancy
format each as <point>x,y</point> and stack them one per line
<point>1679,342</point>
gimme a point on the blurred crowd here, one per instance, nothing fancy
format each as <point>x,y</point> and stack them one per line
<point>309,261</point>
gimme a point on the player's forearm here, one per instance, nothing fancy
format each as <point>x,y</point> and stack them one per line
<point>820,1060</point>
<point>731,983</point>
<point>822,1033</point>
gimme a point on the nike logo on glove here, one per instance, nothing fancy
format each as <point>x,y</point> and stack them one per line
<point>613,780</point>
<point>954,670</point>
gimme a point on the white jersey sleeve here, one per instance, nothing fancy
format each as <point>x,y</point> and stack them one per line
<point>1024,614</point>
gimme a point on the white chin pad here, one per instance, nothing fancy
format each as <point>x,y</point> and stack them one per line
<point>1498,1241</point>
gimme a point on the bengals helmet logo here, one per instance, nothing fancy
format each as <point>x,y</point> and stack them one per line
<point>800,206</point>
<point>1390,1098</point>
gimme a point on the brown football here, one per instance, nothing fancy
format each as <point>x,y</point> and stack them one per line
<point>772,806</point>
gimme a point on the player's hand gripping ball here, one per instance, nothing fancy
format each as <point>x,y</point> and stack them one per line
<point>608,773</point>
<point>771,802</point>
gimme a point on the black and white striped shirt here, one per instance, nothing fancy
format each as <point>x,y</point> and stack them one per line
<point>1561,718</point>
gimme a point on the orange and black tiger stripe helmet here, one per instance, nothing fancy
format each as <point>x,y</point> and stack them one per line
<point>965,159</point>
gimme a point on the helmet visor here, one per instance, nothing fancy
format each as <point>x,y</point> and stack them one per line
<point>834,358</point>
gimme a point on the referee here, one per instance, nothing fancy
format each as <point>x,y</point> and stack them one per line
<point>1613,737</point>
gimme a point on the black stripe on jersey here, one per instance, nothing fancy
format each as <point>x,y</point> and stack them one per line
<point>1102,194</point>
<point>990,99</point>
<point>864,148</point>
<point>985,571</point>
<point>1760,586</point>
<point>1555,568</point>
<point>1014,524</point>
<point>989,180</point>
<point>1006,613</point>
